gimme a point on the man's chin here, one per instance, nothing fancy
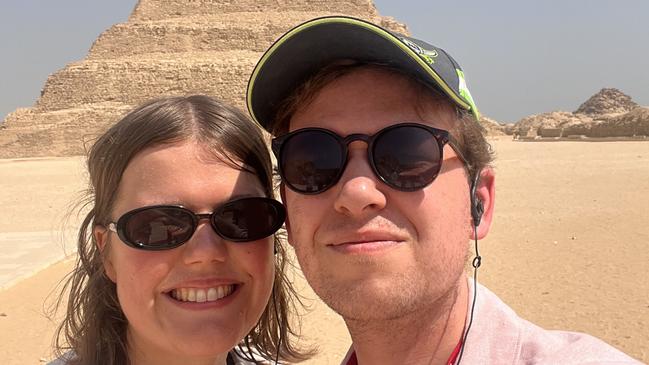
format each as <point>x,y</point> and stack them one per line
<point>362,301</point>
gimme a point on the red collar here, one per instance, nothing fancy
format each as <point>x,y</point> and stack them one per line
<point>451,360</point>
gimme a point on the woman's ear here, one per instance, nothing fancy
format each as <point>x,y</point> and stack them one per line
<point>485,193</point>
<point>282,194</point>
<point>101,237</point>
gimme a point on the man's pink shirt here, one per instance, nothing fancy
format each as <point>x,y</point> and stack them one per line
<point>499,336</point>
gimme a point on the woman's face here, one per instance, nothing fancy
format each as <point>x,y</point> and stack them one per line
<point>161,327</point>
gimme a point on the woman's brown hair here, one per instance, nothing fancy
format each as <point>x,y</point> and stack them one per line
<point>94,328</point>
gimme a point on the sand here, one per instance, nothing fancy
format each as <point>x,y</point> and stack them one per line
<point>567,250</point>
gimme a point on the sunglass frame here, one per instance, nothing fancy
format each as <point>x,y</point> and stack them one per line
<point>442,137</point>
<point>120,226</point>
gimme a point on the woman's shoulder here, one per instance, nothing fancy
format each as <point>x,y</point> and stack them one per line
<point>234,358</point>
<point>63,360</point>
<point>239,357</point>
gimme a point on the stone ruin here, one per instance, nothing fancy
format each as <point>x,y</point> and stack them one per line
<point>608,114</point>
<point>493,127</point>
<point>167,47</point>
<point>607,103</point>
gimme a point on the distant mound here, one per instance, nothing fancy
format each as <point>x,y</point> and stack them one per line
<point>492,127</point>
<point>607,102</point>
<point>547,124</point>
<point>608,113</point>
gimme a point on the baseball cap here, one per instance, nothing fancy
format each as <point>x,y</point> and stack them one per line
<point>307,48</point>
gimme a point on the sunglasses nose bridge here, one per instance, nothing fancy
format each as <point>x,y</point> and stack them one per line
<point>367,139</point>
<point>202,216</point>
<point>346,141</point>
<point>356,137</point>
<point>210,217</point>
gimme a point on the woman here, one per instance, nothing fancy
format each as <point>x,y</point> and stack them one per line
<point>177,258</point>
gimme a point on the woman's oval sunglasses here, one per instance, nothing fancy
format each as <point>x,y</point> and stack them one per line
<point>405,156</point>
<point>163,227</point>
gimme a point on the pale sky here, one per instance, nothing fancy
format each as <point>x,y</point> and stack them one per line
<point>520,57</point>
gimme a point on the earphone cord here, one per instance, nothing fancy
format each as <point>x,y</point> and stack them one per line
<point>477,260</point>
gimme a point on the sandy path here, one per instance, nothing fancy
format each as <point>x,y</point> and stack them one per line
<point>25,329</point>
<point>568,245</point>
<point>36,193</point>
<point>567,249</point>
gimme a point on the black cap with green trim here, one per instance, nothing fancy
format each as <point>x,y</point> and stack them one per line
<point>307,48</point>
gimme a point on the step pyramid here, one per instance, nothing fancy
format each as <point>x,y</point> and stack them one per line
<point>167,47</point>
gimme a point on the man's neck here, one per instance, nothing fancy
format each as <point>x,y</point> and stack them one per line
<point>427,336</point>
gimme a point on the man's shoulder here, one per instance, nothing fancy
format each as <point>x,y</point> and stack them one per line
<point>499,335</point>
<point>562,347</point>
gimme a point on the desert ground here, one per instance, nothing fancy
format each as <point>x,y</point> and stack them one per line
<point>567,250</point>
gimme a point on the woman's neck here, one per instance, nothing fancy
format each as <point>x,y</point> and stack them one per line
<point>142,352</point>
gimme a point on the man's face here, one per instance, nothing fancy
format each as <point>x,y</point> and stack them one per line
<point>370,251</point>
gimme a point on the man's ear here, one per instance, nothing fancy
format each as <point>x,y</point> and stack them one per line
<point>101,238</point>
<point>282,194</point>
<point>486,193</point>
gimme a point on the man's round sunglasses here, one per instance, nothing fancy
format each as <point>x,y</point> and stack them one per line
<point>163,227</point>
<point>405,156</point>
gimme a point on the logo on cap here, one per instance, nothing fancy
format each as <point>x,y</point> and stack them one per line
<point>425,54</point>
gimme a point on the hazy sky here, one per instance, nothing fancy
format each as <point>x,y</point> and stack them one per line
<point>520,57</point>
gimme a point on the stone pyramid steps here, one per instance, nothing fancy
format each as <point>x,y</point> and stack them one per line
<point>57,133</point>
<point>167,47</point>
<point>168,9</point>
<point>134,80</point>
<point>32,119</point>
<point>218,32</point>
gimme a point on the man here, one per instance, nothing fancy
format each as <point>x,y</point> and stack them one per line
<point>386,177</point>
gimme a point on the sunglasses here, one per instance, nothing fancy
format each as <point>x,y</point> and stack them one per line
<point>405,156</point>
<point>163,227</point>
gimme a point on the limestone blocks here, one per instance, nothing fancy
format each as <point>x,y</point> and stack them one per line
<point>167,47</point>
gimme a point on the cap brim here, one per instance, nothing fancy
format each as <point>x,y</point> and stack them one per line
<point>307,48</point>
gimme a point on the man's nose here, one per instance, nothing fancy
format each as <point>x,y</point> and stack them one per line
<point>359,191</point>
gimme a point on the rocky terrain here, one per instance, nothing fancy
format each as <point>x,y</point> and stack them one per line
<point>607,114</point>
<point>493,127</point>
<point>167,47</point>
<point>607,102</point>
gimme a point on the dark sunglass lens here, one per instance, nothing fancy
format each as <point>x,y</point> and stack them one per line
<point>408,158</point>
<point>311,161</point>
<point>159,227</point>
<point>249,219</point>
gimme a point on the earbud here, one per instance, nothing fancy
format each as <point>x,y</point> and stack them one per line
<point>477,206</point>
<point>476,211</point>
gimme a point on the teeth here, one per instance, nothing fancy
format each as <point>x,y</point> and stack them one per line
<point>202,295</point>
<point>211,294</point>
